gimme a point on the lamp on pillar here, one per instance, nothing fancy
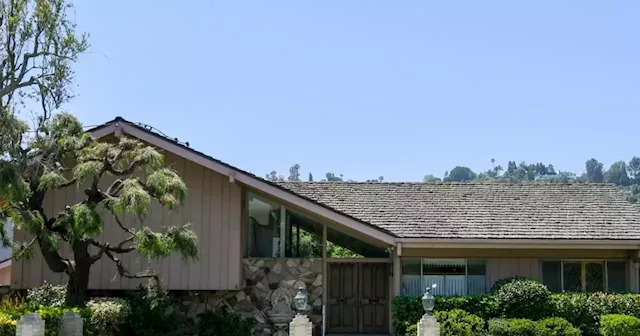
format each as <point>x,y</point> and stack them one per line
<point>429,301</point>
<point>301,326</point>
<point>300,301</point>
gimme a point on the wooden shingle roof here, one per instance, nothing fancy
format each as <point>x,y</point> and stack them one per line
<point>476,211</point>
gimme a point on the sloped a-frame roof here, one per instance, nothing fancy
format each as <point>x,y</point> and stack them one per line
<point>120,126</point>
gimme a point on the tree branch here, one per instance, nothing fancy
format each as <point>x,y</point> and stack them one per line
<point>148,273</point>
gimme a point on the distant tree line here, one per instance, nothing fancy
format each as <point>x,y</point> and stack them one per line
<point>625,175</point>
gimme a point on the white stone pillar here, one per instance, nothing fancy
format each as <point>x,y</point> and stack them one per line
<point>300,326</point>
<point>30,325</point>
<point>428,326</point>
<point>71,324</point>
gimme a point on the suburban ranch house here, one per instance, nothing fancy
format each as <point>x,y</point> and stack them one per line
<point>354,246</point>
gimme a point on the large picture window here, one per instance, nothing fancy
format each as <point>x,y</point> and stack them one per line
<point>452,276</point>
<point>585,275</point>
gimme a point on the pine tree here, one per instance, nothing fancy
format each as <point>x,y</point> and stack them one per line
<point>63,156</point>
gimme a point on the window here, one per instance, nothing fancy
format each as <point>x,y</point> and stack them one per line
<point>271,227</point>
<point>341,245</point>
<point>452,276</point>
<point>584,275</point>
<point>263,227</point>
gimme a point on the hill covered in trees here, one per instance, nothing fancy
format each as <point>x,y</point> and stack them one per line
<point>625,175</point>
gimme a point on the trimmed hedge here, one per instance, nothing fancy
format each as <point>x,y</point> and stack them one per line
<point>582,310</point>
<point>619,325</point>
<point>554,326</point>
<point>407,310</point>
<point>512,327</point>
<point>458,322</point>
<point>523,299</point>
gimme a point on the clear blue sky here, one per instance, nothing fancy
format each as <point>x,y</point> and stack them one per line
<point>368,88</point>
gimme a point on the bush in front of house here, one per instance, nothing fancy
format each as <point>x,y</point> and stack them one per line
<point>555,326</point>
<point>498,284</point>
<point>458,322</point>
<point>619,325</point>
<point>407,310</point>
<point>523,299</point>
<point>7,325</point>
<point>582,310</point>
<point>108,315</point>
<point>222,322</point>
<point>511,327</point>
<point>153,313</point>
<point>47,295</point>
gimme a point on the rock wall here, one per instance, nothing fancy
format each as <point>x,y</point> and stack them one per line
<point>262,278</point>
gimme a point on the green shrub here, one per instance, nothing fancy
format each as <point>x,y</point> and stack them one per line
<point>108,315</point>
<point>498,284</point>
<point>223,323</point>
<point>412,330</point>
<point>619,325</point>
<point>153,313</point>
<point>407,310</point>
<point>555,326</point>
<point>52,318</point>
<point>484,306</point>
<point>511,327</point>
<point>523,299</point>
<point>8,325</point>
<point>47,295</point>
<point>583,310</point>
<point>458,322</point>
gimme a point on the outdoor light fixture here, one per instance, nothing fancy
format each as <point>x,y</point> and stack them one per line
<point>300,300</point>
<point>429,301</point>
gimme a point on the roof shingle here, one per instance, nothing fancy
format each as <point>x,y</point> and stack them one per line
<point>476,210</point>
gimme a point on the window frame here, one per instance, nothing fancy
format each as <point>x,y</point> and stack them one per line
<point>466,271</point>
<point>583,262</point>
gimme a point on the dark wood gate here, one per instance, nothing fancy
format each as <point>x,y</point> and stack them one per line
<point>358,298</point>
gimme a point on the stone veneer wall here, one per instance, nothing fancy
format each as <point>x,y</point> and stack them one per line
<point>262,277</point>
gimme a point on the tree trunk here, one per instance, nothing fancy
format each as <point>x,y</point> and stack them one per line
<point>79,277</point>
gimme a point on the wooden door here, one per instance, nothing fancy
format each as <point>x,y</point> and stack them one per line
<point>342,298</point>
<point>358,298</point>
<point>374,298</point>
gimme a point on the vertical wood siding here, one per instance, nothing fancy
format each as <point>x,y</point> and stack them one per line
<point>213,206</point>
<point>500,268</point>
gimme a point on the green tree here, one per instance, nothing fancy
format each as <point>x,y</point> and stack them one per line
<point>430,178</point>
<point>595,173</point>
<point>66,157</point>
<point>294,173</point>
<point>331,177</point>
<point>461,174</point>
<point>617,174</point>
<point>273,176</point>
<point>634,169</point>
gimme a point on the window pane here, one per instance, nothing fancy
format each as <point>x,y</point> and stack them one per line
<point>447,274</point>
<point>263,228</point>
<point>340,245</point>
<point>551,275</point>
<point>617,273</point>
<point>595,277</point>
<point>411,282</point>
<point>304,236</point>
<point>476,276</point>
<point>572,272</point>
